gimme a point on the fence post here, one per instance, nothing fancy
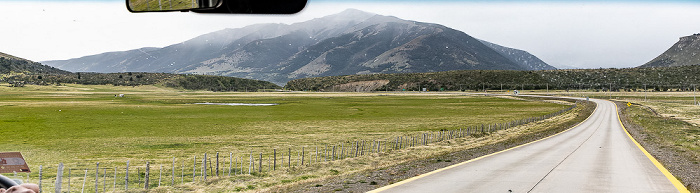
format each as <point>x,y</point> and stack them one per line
<point>302,156</point>
<point>194,168</point>
<point>59,178</point>
<point>274,159</point>
<point>260,164</point>
<point>172,182</point>
<point>84,179</point>
<point>97,177</point>
<point>147,178</point>
<point>250,162</point>
<point>217,164</point>
<point>204,167</point>
<point>40,175</point>
<point>230,163</point>
<point>289,164</point>
<point>126,177</point>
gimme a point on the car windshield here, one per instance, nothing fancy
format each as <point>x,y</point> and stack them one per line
<point>350,95</point>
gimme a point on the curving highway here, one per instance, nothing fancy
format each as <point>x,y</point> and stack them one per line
<point>594,156</point>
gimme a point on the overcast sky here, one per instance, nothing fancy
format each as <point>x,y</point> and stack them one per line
<point>571,33</point>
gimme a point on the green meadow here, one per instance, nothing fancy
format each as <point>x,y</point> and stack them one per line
<point>80,125</point>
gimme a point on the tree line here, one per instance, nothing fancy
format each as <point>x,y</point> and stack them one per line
<point>681,78</point>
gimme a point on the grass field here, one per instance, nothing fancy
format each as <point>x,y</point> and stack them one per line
<point>81,125</point>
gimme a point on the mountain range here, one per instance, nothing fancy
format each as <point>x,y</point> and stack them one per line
<point>683,53</point>
<point>350,42</point>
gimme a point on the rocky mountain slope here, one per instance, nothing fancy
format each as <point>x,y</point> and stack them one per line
<point>350,42</point>
<point>685,52</point>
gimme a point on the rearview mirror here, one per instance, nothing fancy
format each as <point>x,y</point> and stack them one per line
<point>219,6</point>
<point>170,5</point>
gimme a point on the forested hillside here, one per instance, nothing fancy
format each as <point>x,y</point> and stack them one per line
<point>9,63</point>
<point>190,82</point>
<point>666,78</point>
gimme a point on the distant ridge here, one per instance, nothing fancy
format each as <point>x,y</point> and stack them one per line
<point>683,53</point>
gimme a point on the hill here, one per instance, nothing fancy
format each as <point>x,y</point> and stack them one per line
<point>350,42</point>
<point>685,52</point>
<point>13,64</point>
<point>18,72</point>
<point>629,79</point>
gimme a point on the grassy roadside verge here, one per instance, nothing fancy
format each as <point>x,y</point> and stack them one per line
<point>673,142</point>
<point>416,161</point>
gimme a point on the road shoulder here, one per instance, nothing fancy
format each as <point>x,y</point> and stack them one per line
<point>681,163</point>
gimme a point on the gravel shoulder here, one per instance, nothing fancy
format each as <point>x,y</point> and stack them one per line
<point>683,164</point>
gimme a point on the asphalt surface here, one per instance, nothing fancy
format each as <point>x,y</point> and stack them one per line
<point>595,156</point>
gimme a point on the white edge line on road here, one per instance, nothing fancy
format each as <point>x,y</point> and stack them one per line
<point>681,188</point>
<point>475,159</point>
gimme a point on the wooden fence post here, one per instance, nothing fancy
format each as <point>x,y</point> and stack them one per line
<point>84,180</point>
<point>333,156</point>
<point>274,159</point>
<point>148,176</point>
<point>217,164</point>
<point>59,178</point>
<point>250,162</point>
<point>40,176</point>
<point>204,167</point>
<point>97,177</point>
<point>172,182</point>
<point>194,168</point>
<point>342,151</point>
<point>302,156</point>
<point>126,177</point>
<point>260,165</point>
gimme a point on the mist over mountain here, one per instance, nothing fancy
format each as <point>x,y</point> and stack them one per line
<point>350,42</point>
<point>685,52</point>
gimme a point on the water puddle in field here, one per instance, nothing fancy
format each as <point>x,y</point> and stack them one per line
<point>238,104</point>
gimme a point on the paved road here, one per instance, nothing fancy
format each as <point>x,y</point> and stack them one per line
<point>595,156</point>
